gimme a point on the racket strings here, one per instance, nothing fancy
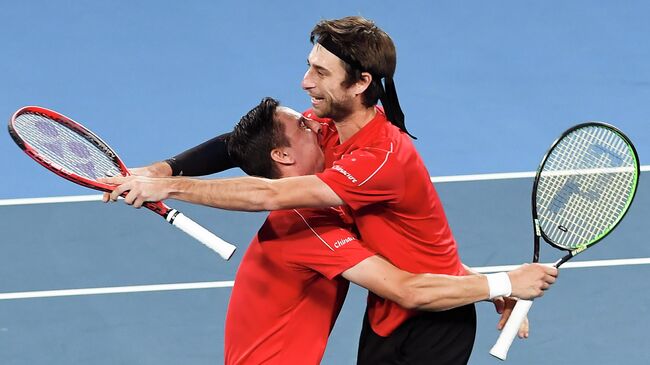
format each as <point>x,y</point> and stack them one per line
<point>584,230</point>
<point>585,186</point>
<point>63,147</point>
<point>601,217</point>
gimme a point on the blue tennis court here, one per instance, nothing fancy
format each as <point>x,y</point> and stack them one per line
<point>144,293</point>
<point>486,87</point>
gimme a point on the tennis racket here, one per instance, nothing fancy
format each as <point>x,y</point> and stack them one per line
<point>71,151</point>
<point>582,190</point>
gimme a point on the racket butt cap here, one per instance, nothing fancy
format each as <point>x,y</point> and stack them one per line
<point>499,353</point>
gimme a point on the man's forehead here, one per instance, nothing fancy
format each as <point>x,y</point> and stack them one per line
<point>322,57</point>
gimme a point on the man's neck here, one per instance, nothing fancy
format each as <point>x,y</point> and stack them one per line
<point>353,122</point>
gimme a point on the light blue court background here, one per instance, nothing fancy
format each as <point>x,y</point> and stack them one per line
<point>486,86</point>
<point>594,315</point>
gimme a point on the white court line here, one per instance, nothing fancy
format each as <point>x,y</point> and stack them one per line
<point>228,284</point>
<point>52,199</point>
<point>115,290</point>
<point>572,264</point>
<point>499,176</point>
<point>221,284</point>
<point>438,179</point>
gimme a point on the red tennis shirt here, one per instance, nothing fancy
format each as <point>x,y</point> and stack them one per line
<point>388,190</point>
<point>288,291</point>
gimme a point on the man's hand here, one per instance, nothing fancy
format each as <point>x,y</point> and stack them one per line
<point>530,280</point>
<point>140,189</point>
<point>156,169</point>
<point>504,306</point>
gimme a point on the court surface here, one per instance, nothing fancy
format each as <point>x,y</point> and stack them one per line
<point>144,293</point>
<point>485,86</point>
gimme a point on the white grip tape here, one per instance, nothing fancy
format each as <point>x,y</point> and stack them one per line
<point>223,248</point>
<point>519,313</point>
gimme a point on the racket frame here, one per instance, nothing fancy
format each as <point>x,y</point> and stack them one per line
<point>538,232</point>
<point>519,312</point>
<point>157,207</point>
<point>173,216</point>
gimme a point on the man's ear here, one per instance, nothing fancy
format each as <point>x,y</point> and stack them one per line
<point>282,156</point>
<point>364,82</point>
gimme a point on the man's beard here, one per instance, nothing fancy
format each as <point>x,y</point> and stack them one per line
<point>337,111</point>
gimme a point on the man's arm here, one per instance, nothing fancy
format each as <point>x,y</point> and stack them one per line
<point>504,306</point>
<point>243,194</point>
<point>470,271</point>
<point>206,158</point>
<point>436,292</point>
<point>156,169</point>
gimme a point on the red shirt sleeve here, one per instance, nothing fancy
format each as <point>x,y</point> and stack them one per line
<point>366,175</point>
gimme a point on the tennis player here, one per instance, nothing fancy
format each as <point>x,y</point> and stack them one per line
<point>291,283</point>
<point>373,169</point>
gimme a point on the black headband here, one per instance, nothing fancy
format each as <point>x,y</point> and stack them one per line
<point>388,95</point>
<point>329,45</point>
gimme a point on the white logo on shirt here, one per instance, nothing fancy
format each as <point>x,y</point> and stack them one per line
<point>345,173</point>
<point>342,242</point>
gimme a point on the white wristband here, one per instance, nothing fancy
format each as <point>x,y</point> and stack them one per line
<point>499,284</point>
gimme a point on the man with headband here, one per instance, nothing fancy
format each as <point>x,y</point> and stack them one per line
<point>293,277</point>
<point>372,169</point>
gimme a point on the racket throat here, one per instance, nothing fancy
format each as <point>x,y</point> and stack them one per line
<point>538,234</point>
<point>561,261</point>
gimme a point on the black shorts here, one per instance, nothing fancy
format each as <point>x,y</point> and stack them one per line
<point>440,338</point>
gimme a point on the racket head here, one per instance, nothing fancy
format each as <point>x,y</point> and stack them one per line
<point>65,147</point>
<point>584,186</point>
<point>69,149</point>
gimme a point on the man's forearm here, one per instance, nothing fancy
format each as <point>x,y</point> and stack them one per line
<point>243,194</point>
<point>441,292</point>
<point>207,158</point>
<point>431,292</point>
<point>253,193</point>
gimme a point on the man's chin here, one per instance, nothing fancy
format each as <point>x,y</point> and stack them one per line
<point>319,111</point>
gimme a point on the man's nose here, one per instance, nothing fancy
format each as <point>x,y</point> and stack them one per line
<point>313,125</point>
<point>307,82</point>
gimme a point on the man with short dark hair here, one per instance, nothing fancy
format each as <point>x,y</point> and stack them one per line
<point>290,285</point>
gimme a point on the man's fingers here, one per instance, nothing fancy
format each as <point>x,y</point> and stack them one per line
<point>504,317</point>
<point>119,190</point>
<point>502,322</point>
<point>139,202</point>
<point>113,180</point>
<point>552,271</point>
<point>523,329</point>
<point>499,304</point>
<point>119,182</point>
<point>551,279</point>
<point>137,190</point>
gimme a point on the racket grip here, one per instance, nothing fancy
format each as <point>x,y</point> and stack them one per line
<point>223,248</point>
<point>509,331</point>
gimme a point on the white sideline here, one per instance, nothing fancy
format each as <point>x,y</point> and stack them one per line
<point>434,179</point>
<point>115,290</point>
<point>223,284</point>
<point>228,284</point>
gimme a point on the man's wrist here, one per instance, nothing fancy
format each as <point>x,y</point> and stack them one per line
<point>499,285</point>
<point>174,168</point>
